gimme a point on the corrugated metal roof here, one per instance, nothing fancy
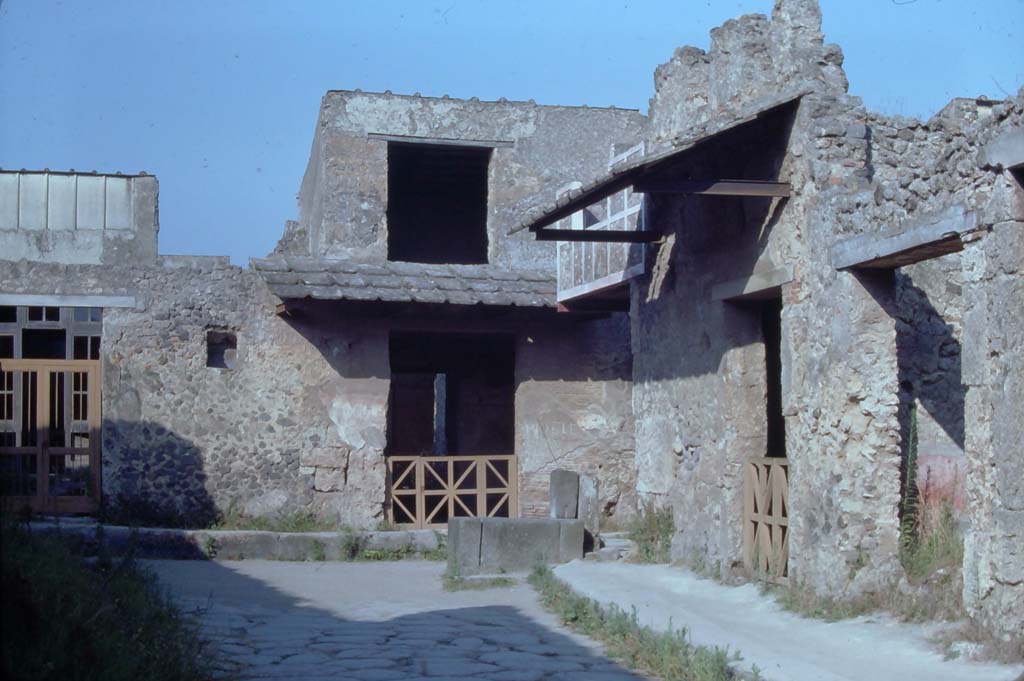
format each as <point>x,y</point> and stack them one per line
<point>296,277</point>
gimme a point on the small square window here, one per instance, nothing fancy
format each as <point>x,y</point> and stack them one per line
<point>8,314</point>
<point>88,314</point>
<point>87,347</point>
<point>44,314</point>
<point>221,349</point>
<point>6,347</point>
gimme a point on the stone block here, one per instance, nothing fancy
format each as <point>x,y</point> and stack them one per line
<point>589,510</point>
<point>424,540</point>
<point>329,479</point>
<point>324,457</point>
<point>388,541</point>
<point>565,490</point>
<point>518,544</point>
<point>464,538</point>
<point>571,537</point>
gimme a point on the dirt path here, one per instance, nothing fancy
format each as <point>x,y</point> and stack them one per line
<point>785,647</point>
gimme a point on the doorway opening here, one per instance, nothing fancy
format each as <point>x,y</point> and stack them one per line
<point>766,478</point>
<point>451,427</point>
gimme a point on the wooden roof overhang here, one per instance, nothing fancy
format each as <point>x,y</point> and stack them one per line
<point>656,174</point>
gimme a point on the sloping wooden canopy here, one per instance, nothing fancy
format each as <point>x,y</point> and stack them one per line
<point>649,175</point>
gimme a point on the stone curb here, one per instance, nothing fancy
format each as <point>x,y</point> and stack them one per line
<point>150,542</point>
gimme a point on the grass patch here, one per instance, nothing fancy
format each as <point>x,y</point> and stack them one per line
<point>354,547</point>
<point>933,590</point>
<point>986,646</point>
<point>652,532</point>
<point>931,552</point>
<point>668,655</point>
<point>451,580</point>
<point>65,619</point>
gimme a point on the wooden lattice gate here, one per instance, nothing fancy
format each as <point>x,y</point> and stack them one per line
<point>765,518</point>
<point>426,491</point>
<point>50,435</point>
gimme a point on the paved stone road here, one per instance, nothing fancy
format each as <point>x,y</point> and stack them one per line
<point>376,621</point>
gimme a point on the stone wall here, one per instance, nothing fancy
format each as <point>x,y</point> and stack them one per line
<point>573,411</point>
<point>299,423</point>
<point>537,149</point>
<point>858,349</point>
<point>700,403</point>
<point>993,357</point>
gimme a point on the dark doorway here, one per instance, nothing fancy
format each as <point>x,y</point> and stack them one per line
<point>771,331</point>
<point>452,394</point>
<point>437,203</point>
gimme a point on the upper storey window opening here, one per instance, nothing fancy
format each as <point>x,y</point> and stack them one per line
<point>437,203</point>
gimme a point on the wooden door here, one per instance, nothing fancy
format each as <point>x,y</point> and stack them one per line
<point>50,435</point>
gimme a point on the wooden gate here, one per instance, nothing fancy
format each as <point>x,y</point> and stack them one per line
<point>426,491</point>
<point>50,435</point>
<point>765,523</point>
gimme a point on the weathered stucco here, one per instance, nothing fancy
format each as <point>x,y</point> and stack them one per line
<point>78,218</point>
<point>859,348</point>
<point>665,404</point>
<point>344,196</point>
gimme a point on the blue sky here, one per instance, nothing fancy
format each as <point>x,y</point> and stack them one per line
<point>219,98</point>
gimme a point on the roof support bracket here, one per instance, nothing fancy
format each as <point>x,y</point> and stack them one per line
<point>713,187</point>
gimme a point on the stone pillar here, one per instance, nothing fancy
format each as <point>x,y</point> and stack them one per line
<point>993,357</point>
<point>588,507</point>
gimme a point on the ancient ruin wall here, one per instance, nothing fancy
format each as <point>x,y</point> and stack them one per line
<point>961,313</point>
<point>700,405</point>
<point>848,339</point>
<point>343,200</point>
<point>296,425</point>
<point>573,411</point>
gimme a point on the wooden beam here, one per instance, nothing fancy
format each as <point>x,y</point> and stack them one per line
<point>448,141</point>
<point>755,286</point>
<point>713,187</point>
<point>920,239</point>
<point>601,236</point>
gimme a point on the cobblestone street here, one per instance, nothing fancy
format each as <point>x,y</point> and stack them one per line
<point>376,621</point>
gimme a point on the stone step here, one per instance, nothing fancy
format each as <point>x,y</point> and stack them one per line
<point>615,547</point>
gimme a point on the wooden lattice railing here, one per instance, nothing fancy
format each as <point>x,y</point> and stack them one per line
<point>50,434</point>
<point>426,491</point>
<point>765,522</point>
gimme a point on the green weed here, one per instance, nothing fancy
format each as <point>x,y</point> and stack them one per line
<point>668,655</point>
<point>299,521</point>
<point>451,580</point>
<point>652,532</point>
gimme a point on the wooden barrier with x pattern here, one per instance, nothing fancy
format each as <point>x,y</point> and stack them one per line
<point>765,518</point>
<point>427,491</point>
